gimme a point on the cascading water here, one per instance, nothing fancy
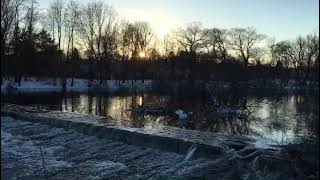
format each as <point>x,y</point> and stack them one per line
<point>190,152</point>
<point>68,152</point>
<point>71,147</point>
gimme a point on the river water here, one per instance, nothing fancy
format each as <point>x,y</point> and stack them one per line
<point>281,118</point>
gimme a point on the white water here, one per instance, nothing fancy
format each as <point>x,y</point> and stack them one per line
<point>72,155</point>
<point>190,152</point>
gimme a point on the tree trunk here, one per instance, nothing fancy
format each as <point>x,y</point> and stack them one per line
<point>246,63</point>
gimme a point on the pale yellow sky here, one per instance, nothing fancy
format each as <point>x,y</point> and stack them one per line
<point>282,19</point>
<point>160,23</point>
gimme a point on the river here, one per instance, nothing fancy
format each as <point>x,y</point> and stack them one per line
<point>280,118</point>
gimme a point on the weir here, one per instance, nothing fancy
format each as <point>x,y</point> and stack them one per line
<point>188,142</point>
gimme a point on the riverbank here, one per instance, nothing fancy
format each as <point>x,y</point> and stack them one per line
<point>33,84</point>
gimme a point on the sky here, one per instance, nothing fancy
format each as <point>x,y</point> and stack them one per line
<point>281,19</point>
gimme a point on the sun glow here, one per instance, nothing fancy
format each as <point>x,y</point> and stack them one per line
<point>160,23</point>
<point>142,55</point>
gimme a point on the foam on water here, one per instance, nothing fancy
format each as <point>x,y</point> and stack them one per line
<point>190,152</point>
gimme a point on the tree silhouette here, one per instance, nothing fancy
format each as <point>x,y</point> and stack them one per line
<point>190,38</point>
<point>242,40</point>
<point>95,32</point>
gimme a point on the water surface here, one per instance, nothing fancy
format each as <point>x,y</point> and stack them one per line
<point>279,118</point>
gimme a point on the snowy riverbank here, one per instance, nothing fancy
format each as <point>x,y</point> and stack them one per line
<point>35,84</point>
<point>32,84</point>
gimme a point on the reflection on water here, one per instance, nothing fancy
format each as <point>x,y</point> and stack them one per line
<point>140,101</point>
<point>280,118</point>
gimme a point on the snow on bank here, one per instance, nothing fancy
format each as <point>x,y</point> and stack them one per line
<point>78,85</point>
<point>32,84</point>
<point>288,85</point>
<point>116,85</point>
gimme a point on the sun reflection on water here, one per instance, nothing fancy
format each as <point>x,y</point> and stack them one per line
<point>140,100</point>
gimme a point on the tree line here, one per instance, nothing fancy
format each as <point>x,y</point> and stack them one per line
<point>58,39</point>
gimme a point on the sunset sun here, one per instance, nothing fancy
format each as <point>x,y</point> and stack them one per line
<point>142,55</point>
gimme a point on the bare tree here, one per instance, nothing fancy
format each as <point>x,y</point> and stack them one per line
<point>304,53</point>
<point>18,18</point>
<point>48,21</point>
<point>215,43</point>
<point>57,15</point>
<point>86,29</point>
<point>109,40</point>
<point>129,44</point>
<point>312,52</point>
<point>71,20</point>
<point>125,43</point>
<point>169,45</point>
<point>144,35</point>
<point>110,37</point>
<point>258,54</point>
<point>136,38</point>
<point>32,17</point>
<point>100,12</point>
<point>242,40</point>
<point>297,52</point>
<point>190,38</point>
<point>9,20</point>
<point>280,53</point>
<point>91,27</point>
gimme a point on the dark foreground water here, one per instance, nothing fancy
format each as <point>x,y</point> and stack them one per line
<point>280,118</point>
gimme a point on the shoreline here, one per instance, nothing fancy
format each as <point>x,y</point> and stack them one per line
<point>43,85</point>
